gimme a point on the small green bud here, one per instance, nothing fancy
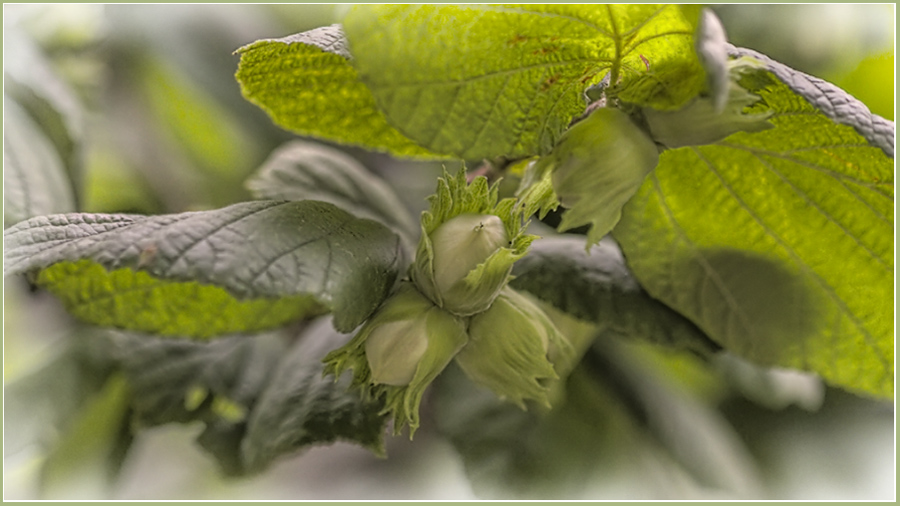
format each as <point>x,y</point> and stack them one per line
<point>399,351</point>
<point>509,346</point>
<point>394,350</point>
<point>468,246</point>
<point>460,245</point>
<point>598,164</point>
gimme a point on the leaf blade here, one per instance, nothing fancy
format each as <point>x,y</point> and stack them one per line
<point>34,175</point>
<point>306,84</point>
<point>302,170</point>
<point>598,287</point>
<point>299,407</point>
<point>779,244</point>
<point>259,253</point>
<point>486,81</point>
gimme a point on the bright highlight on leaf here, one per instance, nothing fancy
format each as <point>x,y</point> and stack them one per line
<point>481,81</point>
<point>135,300</point>
<point>307,85</point>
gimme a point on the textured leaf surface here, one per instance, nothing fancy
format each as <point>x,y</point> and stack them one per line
<point>484,81</point>
<point>241,268</point>
<point>307,85</point>
<point>34,176</point>
<point>830,100</point>
<point>304,170</point>
<point>779,244</point>
<point>598,287</point>
<point>300,407</point>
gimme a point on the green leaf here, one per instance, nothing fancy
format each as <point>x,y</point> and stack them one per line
<point>614,412</point>
<point>34,176</point>
<point>826,99</point>
<point>181,381</point>
<point>779,244</point>
<point>86,452</point>
<point>304,170</point>
<point>216,383</point>
<point>300,408</point>
<point>483,81</point>
<point>32,81</point>
<point>307,85</point>
<point>242,268</point>
<point>872,81</point>
<point>259,398</point>
<point>41,406</point>
<point>598,287</point>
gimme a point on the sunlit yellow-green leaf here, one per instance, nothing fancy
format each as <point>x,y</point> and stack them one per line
<point>780,244</point>
<point>505,80</point>
<point>307,85</point>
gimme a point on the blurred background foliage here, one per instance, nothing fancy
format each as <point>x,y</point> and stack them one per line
<point>153,121</point>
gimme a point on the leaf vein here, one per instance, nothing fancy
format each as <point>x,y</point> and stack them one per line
<point>803,265</point>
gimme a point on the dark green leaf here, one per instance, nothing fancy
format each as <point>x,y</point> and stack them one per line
<point>258,398</point>
<point>300,407</point>
<point>181,381</point>
<point>307,85</point>
<point>598,287</point>
<point>305,170</point>
<point>779,244</point>
<point>483,81</point>
<point>242,268</point>
<point>217,383</point>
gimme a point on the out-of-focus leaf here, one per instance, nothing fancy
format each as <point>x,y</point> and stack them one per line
<point>195,122</point>
<point>242,268</point>
<point>259,398</point>
<point>773,388</point>
<point>611,411</point>
<point>84,453</point>
<point>300,408</point>
<point>40,405</point>
<point>34,177</point>
<point>872,82</point>
<point>49,101</point>
<point>181,381</point>
<point>693,434</point>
